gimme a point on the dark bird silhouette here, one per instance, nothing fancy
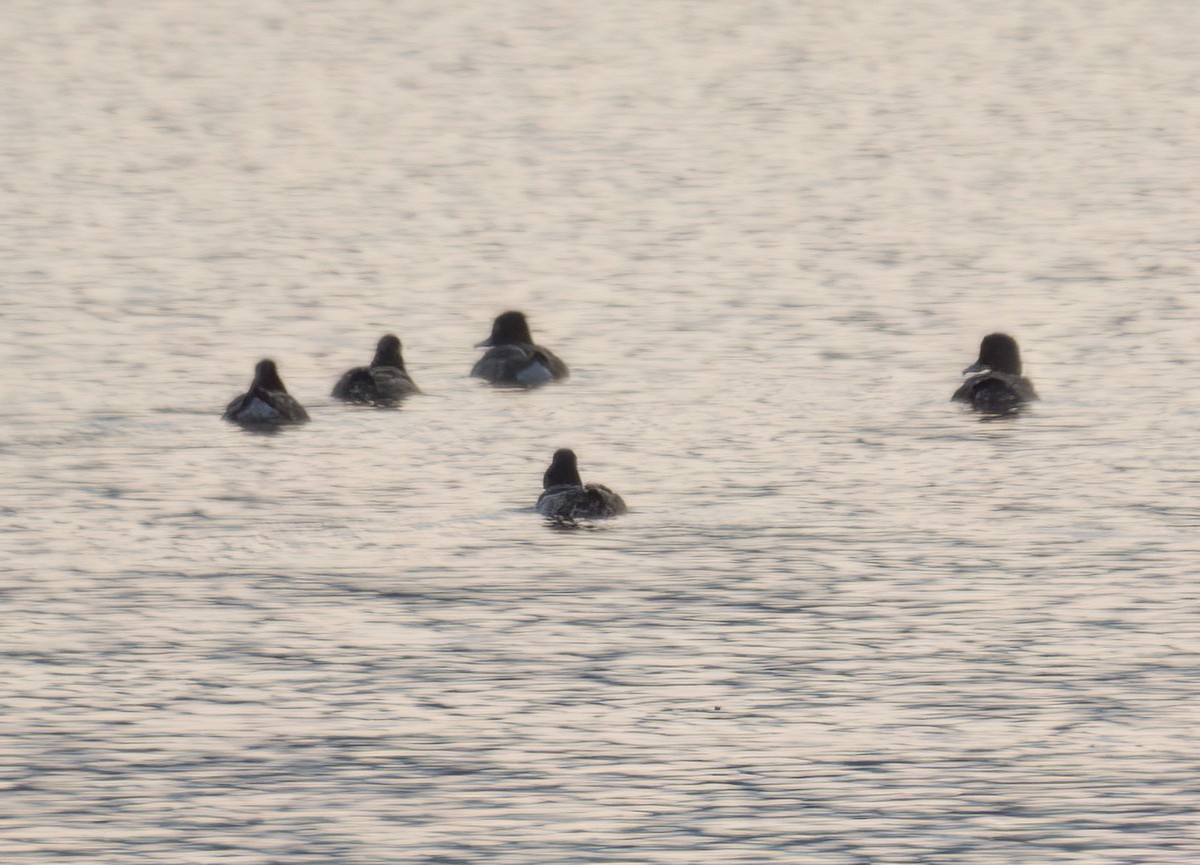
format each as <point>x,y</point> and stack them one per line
<point>267,402</point>
<point>566,498</point>
<point>384,382</point>
<point>513,358</point>
<point>997,384</point>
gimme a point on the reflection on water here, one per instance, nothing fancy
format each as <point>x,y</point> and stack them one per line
<point>844,621</point>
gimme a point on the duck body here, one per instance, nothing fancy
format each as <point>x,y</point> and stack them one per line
<point>513,358</point>
<point>566,503</point>
<point>995,391</point>
<point>384,382</point>
<point>565,498</point>
<point>267,402</point>
<point>996,383</point>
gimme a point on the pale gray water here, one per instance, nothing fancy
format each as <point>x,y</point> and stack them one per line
<point>846,621</point>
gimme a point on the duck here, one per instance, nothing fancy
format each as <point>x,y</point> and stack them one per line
<point>267,401</point>
<point>997,384</point>
<point>512,358</point>
<point>566,498</point>
<point>384,382</point>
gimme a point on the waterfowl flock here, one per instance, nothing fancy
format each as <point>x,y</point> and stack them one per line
<point>995,386</point>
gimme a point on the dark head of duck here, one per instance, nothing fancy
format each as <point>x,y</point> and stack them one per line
<point>509,328</point>
<point>266,376</point>
<point>998,352</point>
<point>387,353</point>
<point>563,470</point>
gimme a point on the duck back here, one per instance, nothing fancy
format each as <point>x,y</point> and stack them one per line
<point>995,391</point>
<point>520,364</point>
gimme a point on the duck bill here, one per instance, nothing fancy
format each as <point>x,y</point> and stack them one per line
<point>978,366</point>
<point>487,343</point>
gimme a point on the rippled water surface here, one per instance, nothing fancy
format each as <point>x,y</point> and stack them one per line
<point>845,621</point>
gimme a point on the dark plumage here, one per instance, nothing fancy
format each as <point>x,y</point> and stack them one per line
<point>267,401</point>
<point>384,382</point>
<point>513,358</point>
<point>567,498</point>
<point>997,385</point>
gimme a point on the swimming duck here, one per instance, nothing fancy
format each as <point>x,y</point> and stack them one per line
<point>566,498</point>
<point>267,401</point>
<point>997,385</point>
<point>384,382</point>
<point>512,358</point>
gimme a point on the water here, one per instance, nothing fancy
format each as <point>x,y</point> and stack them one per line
<point>845,621</point>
